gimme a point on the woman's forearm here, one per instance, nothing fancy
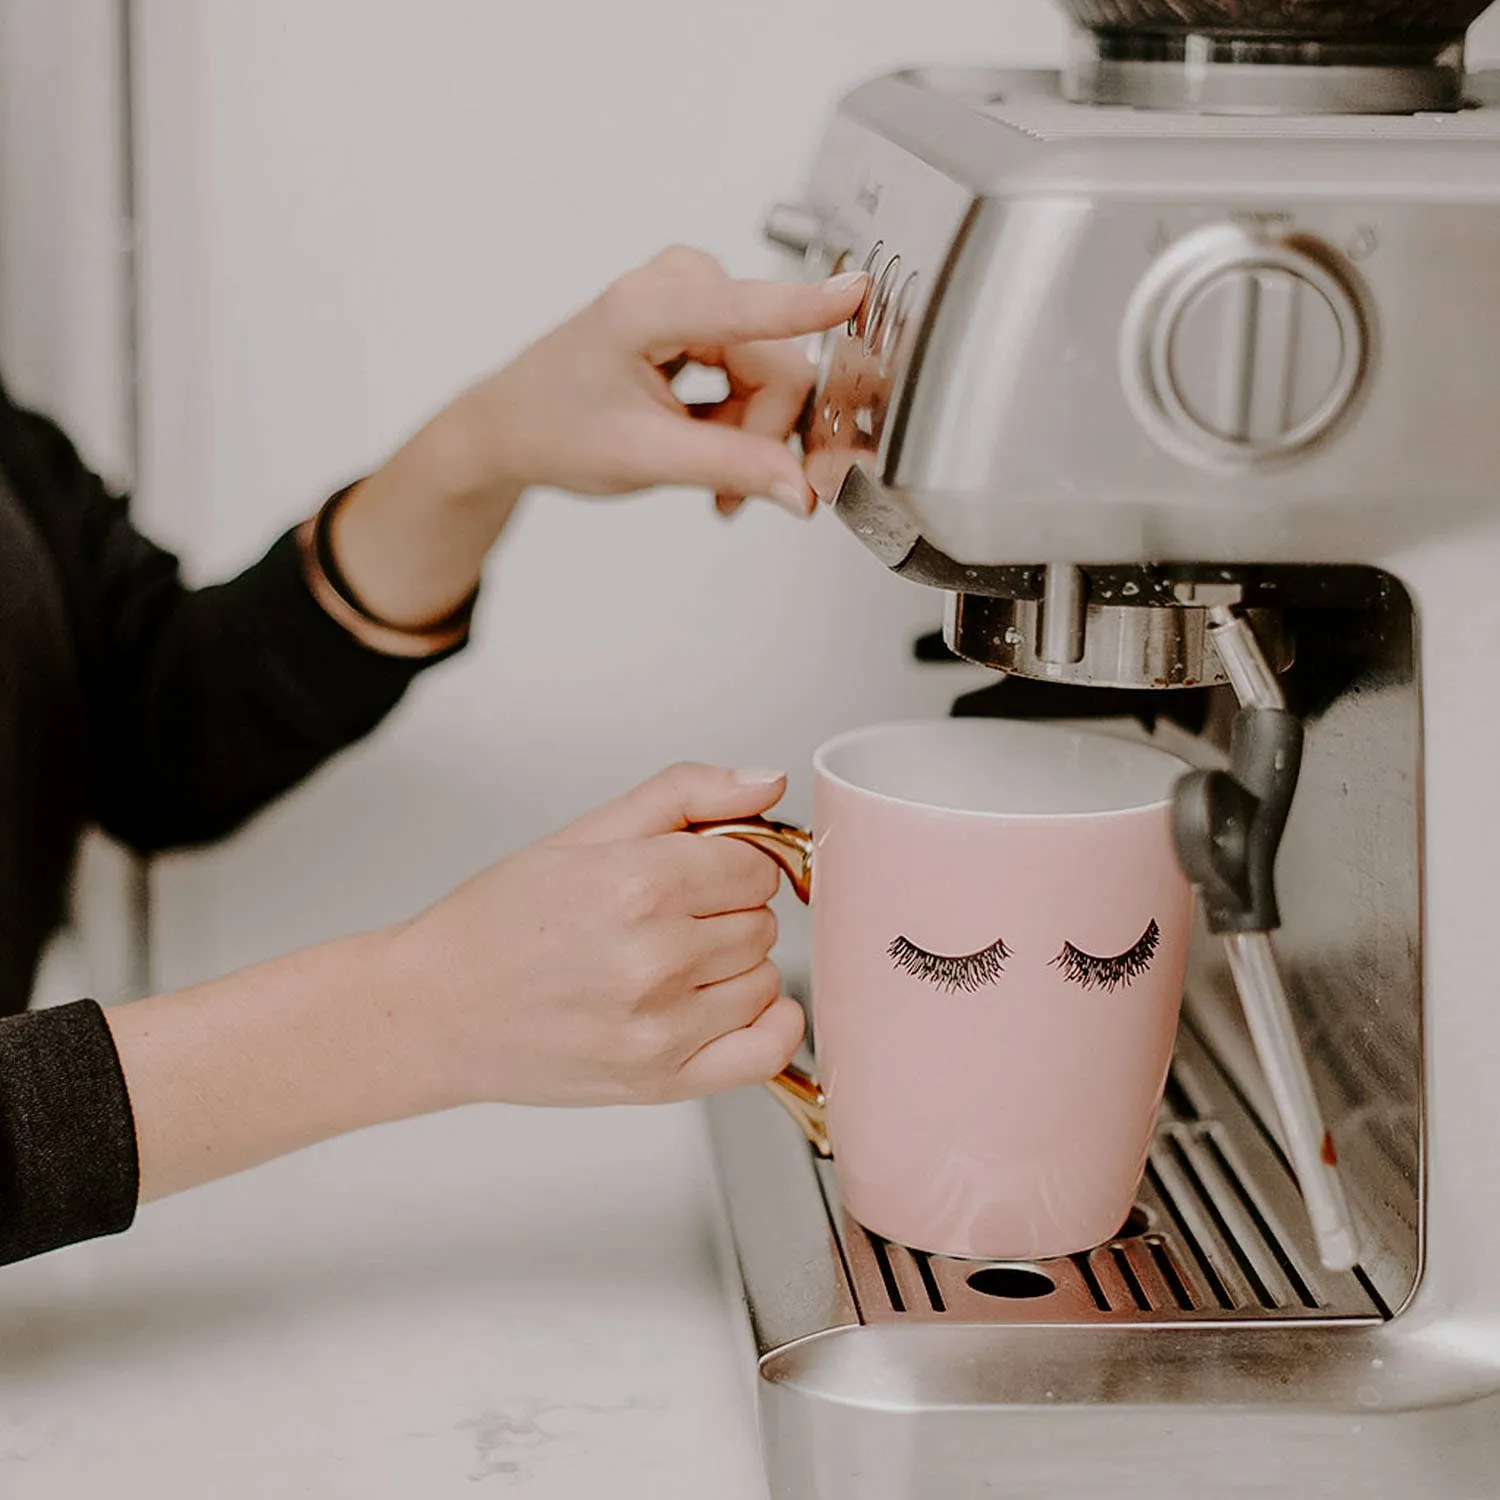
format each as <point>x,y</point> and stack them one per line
<point>411,539</point>
<point>568,973</point>
<point>230,1074</point>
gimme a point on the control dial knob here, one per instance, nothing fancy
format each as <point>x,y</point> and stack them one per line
<point>1238,349</point>
<point>793,227</point>
<point>807,232</point>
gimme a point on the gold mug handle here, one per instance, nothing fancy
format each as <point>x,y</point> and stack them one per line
<point>791,847</point>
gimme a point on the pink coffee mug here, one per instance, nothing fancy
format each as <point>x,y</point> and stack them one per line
<point>1000,930</point>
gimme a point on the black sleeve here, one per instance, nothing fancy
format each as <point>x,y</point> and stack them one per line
<point>202,705</point>
<point>68,1166</point>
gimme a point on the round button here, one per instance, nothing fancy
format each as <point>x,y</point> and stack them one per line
<point>880,304</point>
<point>1237,350</point>
<point>860,315</point>
<point>896,323</point>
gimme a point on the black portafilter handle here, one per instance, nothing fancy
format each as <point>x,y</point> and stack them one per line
<point>1228,824</point>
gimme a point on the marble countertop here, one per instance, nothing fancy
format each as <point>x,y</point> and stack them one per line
<point>495,1301</point>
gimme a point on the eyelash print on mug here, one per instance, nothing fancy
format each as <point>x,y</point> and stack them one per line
<point>1109,974</point>
<point>967,972</point>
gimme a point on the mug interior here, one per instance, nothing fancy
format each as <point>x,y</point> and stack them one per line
<point>1001,768</point>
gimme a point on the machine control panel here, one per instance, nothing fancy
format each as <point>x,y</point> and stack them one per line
<point>859,360</point>
<point>1239,347</point>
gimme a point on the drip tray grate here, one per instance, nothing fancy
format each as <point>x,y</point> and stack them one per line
<point>1219,1234</point>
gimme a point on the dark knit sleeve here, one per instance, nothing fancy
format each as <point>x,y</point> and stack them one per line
<point>203,705</point>
<point>232,696</point>
<point>68,1167</point>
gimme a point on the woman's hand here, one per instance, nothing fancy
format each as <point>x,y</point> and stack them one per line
<point>621,961</point>
<point>590,408</point>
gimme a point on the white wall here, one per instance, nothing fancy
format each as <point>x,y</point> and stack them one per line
<point>354,206</point>
<point>62,317</point>
<point>64,334</point>
<point>351,209</point>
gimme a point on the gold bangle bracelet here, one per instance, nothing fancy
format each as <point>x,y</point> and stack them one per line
<point>388,640</point>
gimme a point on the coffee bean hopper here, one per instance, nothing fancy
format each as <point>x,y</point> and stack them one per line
<point>1180,376</point>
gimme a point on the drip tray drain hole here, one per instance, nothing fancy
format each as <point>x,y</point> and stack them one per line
<point>1015,1283</point>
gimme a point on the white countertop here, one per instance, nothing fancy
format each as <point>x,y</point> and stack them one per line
<point>496,1301</point>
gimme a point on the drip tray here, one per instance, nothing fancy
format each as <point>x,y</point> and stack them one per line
<point>1219,1235</point>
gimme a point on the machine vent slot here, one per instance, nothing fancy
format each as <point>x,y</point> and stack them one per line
<point>1218,1293</point>
<point>929,1281</point>
<point>1162,1259</point>
<point>1266,1234</point>
<point>1175,1101</point>
<point>1132,1282</point>
<point>1084,1266</point>
<point>1372,1291</point>
<point>882,1253</point>
<point>1218,1235</point>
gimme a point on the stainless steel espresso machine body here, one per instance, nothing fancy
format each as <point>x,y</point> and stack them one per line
<point>1203,331</point>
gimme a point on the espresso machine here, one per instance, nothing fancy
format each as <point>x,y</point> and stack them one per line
<point>1179,375</point>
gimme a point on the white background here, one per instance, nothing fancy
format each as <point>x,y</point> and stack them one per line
<point>350,208</point>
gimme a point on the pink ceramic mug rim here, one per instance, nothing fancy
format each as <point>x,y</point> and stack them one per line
<point>868,731</point>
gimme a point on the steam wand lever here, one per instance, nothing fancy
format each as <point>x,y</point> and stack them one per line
<point>1228,827</point>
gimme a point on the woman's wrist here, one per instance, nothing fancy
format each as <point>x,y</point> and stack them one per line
<point>411,539</point>
<point>472,462</point>
<point>338,599</point>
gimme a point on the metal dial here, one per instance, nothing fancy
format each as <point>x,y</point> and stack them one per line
<point>794,227</point>
<point>1238,349</point>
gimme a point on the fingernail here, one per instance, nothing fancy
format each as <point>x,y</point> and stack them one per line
<point>845,283</point>
<point>799,502</point>
<point>759,776</point>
